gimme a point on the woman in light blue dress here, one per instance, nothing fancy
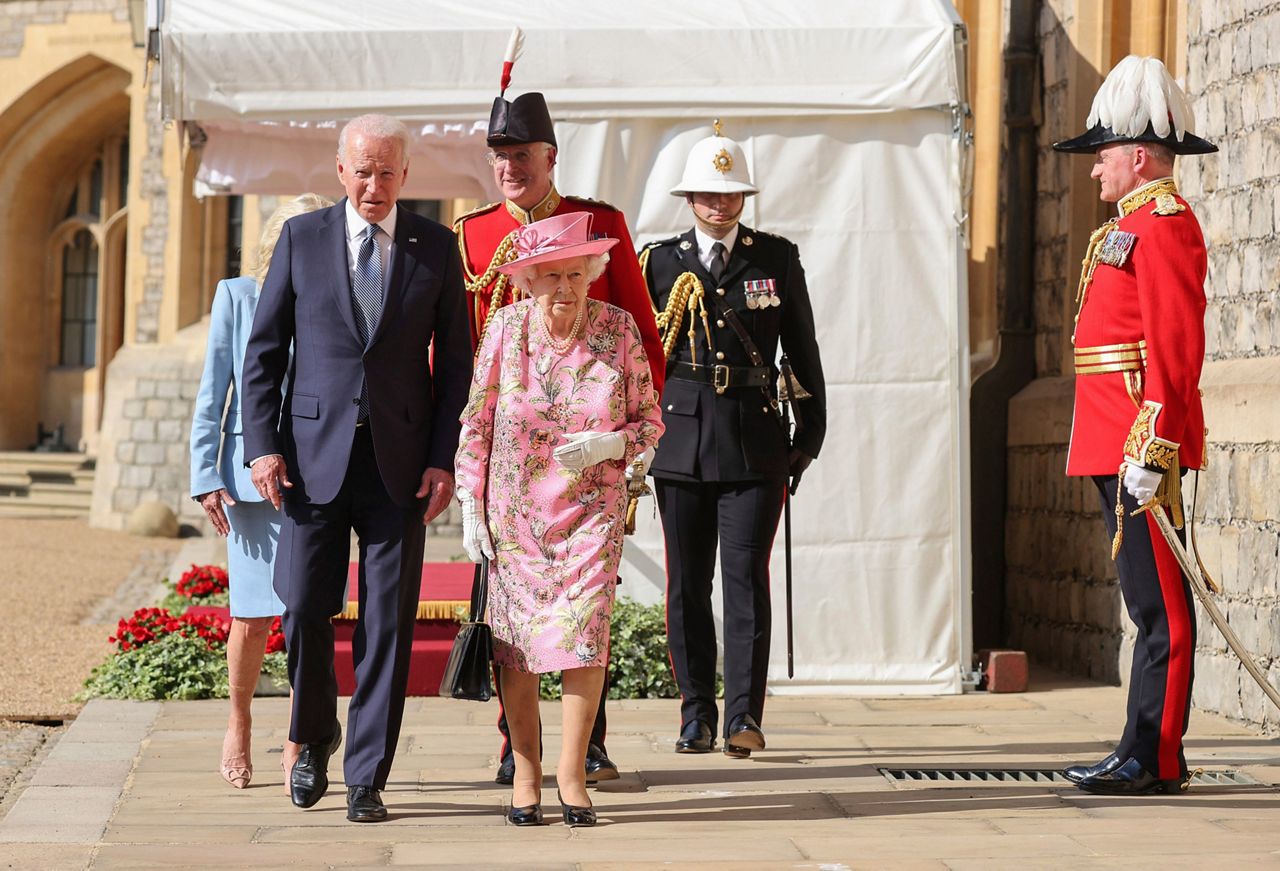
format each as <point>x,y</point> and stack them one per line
<point>221,484</point>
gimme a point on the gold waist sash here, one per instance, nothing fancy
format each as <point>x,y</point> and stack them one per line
<point>1101,359</point>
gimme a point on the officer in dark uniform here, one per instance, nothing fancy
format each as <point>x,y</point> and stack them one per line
<point>727,297</point>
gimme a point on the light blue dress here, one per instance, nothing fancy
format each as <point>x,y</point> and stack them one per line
<point>255,524</point>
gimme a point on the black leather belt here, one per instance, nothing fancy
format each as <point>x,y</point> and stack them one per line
<point>722,377</point>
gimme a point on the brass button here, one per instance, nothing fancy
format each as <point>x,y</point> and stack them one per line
<point>719,355</point>
<point>720,322</point>
<point>720,290</point>
<point>671,408</point>
<point>765,409</point>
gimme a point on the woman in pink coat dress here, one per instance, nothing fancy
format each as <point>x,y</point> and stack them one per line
<point>562,402</point>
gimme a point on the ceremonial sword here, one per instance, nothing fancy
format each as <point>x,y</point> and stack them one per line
<point>1192,571</point>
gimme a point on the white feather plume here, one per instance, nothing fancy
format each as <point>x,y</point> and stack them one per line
<point>1138,92</point>
<point>515,46</point>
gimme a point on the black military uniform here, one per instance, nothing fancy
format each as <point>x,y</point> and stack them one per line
<point>722,466</point>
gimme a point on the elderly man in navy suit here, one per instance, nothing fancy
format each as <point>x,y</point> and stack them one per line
<point>371,297</point>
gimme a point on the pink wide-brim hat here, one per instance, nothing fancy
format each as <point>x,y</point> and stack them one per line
<point>560,237</point>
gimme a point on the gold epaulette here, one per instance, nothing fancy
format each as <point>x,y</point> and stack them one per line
<point>459,230</point>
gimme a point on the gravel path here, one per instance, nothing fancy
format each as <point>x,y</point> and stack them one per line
<point>53,575</point>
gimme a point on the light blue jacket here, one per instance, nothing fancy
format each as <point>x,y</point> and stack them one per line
<point>230,322</point>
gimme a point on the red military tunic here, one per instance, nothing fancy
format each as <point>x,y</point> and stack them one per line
<point>1139,339</point>
<point>482,232</point>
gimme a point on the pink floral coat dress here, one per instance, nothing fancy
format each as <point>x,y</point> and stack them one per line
<point>557,533</point>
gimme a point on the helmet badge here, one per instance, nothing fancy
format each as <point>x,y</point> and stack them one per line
<point>723,161</point>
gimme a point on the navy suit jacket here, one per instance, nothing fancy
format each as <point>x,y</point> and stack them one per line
<point>417,363</point>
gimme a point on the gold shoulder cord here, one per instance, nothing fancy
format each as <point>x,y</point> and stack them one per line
<point>1087,266</point>
<point>686,293</point>
<point>480,282</point>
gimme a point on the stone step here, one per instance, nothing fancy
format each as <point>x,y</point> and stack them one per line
<point>71,495</point>
<point>21,506</point>
<point>67,462</point>
<point>14,480</point>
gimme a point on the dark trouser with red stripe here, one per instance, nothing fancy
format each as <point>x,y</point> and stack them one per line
<point>1158,599</point>
<point>742,517</point>
<point>597,731</point>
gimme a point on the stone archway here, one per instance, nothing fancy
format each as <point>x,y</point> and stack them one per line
<point>45,135</point>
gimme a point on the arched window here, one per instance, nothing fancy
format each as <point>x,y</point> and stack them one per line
<point>80,301</point>
<point>89,287</point>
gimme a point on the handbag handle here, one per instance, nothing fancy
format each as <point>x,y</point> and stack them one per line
<point>480,590</point>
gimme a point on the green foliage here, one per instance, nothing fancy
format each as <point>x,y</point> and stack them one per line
<point>641,668</point>
<point>177,604</point>
<point>171,667</point>
<point>276,667</point>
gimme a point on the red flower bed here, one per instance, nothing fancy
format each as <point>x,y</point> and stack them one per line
<point>202,582</point>
<point>148,624</point>
<point>275,638</point>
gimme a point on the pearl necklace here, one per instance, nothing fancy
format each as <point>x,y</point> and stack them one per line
<point>561,346</point>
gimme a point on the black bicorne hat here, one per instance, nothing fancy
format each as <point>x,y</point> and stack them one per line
<point>520,121</point>
<point>1098,135</point>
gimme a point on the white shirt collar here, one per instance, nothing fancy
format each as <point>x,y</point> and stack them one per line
<point>356,224</point>
<point>705,242</point>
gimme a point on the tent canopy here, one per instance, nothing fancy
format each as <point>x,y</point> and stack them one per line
<point>296,60</point>
<point>848,116</point>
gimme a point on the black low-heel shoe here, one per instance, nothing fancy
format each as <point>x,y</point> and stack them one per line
<point>576,816</point>
<point>529,815</point>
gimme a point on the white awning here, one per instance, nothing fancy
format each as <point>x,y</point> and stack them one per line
<point>440,59</point>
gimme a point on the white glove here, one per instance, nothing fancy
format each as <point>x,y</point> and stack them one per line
<point>1141,482</point>
<point>583,449</point>
<point>645,460</point>
<point>475,528</point>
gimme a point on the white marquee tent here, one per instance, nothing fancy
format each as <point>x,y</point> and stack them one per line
<point>852,117</point>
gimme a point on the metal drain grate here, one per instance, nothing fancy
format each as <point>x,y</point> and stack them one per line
<point>942,776</point>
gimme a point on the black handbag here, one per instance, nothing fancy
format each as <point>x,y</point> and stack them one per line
<point>469,671</point>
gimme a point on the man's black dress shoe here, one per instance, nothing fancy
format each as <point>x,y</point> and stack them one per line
<point>575,816</point>
<point>310,777</point>
<point>529,815</point>
<point>744,736</point>
<point>1077,773</point>
<point>695,737</point>
<point>1132,779</point>
<point>599,766</point>
<point>507,771</point>
<point>364,805</point>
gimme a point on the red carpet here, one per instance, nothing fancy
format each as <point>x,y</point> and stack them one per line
<point>443,601</point>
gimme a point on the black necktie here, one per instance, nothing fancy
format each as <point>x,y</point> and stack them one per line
<point>717,261</point>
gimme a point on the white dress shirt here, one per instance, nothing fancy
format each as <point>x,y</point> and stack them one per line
<point>705,242</point>
<point>355,238</point>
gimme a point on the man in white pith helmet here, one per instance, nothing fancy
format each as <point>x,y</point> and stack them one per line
<point>729,299</point>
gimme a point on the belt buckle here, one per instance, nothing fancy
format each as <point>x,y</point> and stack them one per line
<point>720,377</point>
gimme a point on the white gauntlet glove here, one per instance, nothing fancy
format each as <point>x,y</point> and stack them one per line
<point>645,460</point>
<point>583,449</point>
<point>475,528</point>
<point>1141,482</point>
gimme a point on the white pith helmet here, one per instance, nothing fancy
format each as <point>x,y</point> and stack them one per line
<point>716,165</point>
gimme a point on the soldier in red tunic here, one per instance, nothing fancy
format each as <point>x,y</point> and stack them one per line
<point>1139,347</point>
<point>522,140</point>
<point>522,144</point>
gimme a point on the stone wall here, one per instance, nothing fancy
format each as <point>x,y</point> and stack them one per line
<point>1233,79</point>
<point>1064,605</point>
<point>153,187</point>
<point>15,17</point>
